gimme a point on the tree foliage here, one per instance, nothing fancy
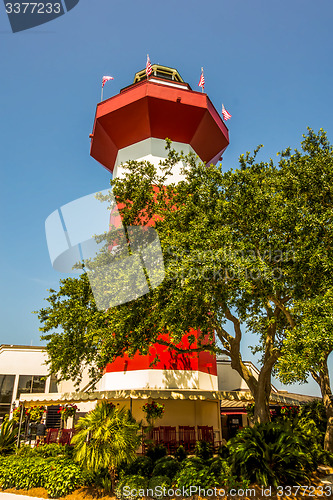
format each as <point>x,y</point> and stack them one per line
<point>243,247</point>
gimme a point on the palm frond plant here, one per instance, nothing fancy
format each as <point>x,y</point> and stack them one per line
<point>106,437</point>
<point>269,454</point>
<point>8,436</point>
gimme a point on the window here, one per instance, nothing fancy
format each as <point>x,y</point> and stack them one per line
<point>30,384</point>
<point>4,410</point>
<point>6,388</point>
<point>53,384</point>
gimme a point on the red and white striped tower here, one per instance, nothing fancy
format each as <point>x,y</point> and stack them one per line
<point>133,125</point>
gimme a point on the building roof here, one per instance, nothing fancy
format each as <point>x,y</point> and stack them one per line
<point>29,347</point>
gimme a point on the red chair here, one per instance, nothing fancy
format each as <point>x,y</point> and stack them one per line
<point>187,437</point>
<point>168,437</point>
<point>65,436</point>
<point>206,433</point>
<point>156,437</point>
<point>150,437</point>
<point>51,436</point>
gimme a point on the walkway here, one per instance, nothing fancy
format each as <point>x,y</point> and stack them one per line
<point>12,496</point>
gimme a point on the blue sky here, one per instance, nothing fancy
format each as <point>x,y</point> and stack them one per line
<point>270,63</point>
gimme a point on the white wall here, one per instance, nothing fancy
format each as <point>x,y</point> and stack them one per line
<point>152,150</point>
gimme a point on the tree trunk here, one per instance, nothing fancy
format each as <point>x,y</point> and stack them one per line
<point>112,472</point>
<point>260,389</point>
<point>323,380</point>
<point>261,397</point>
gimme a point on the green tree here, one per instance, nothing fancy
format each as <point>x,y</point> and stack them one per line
<point>106,437</point>
<point>216,271</point>
<point>306,351</point>
<point>308,178</point>
<point>240,247</point>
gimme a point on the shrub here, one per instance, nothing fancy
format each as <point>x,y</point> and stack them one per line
<point>315,411</point>
<point>217,466</point>
<point>181,453</point>
<point>25,451</point>
<point>191,476</point>
<point>54,450</point>
<point>223,450</point>
<point>130,484</point>
<point>63,478</point>
<point>204,450</point>
<point>194,462</point>
<point>166,466</point>
<point>45,451</point>
<point>269,454</point>
<point>8,435</point>
<point>156,451</point>
<point>58,475</point>
<point>159,482</point>
<point>141,466</point>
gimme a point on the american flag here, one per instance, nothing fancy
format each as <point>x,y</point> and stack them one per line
<point>225,113</point>
<point>106,79</point>
<point>148,66</point>
<point>202,80</point>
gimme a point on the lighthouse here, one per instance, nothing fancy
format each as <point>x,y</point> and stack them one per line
<point>133,125</point>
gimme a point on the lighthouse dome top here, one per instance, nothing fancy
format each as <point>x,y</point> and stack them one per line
<point>163,72</point>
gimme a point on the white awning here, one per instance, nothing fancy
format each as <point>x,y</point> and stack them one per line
<point>84,397</point>
<point>191,394</point>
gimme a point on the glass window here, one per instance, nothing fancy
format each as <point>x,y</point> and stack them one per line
<point>53,384</point>
<point>6,388</point>
<point>4,410</point>
<point>30,384</point>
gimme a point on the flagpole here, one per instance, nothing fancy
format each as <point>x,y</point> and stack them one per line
<point>102,93</point>
<point>202,87</point>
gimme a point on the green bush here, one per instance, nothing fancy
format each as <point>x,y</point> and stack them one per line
<point>159,483</point>
<point>58,475</point>
<point>63,478</point>
<point>204,450</point>
<point>315,411</point>
<point>141,466</point>
<point>217,465</point>
<point>46,450</point>
<point>166,466</point>
<point>194,462</point>
<point>181,453</point>
<point>25,451</point>
<point>270,454</point>
<point>156,451</point>
<point>131,483</point>
<point>223,451</point>
<point>8,436</point>
<point>191,476</point>
<point>100,479</point>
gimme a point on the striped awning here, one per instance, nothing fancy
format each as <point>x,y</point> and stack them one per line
<point>85,397</point>
<point>226,397</point>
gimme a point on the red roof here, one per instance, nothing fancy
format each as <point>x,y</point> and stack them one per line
<point>150,109</point>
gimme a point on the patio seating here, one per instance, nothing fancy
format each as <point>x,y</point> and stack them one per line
<point>65,436</point>
<point>51,436</point>
<point>148,437</point>
<point>187,437</point>
<point>206,433</point>
<point>168,437</point>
